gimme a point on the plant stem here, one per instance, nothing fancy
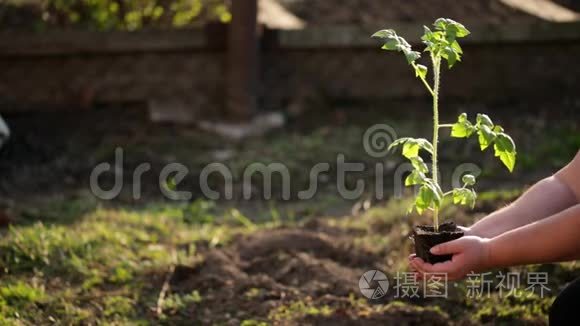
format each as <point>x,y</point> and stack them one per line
<point>446,125</point>
<point>435,172</point>
<point>424,81</point>
<point>427,85</point>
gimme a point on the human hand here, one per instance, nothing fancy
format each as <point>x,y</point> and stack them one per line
<point>470,254</point>
<point>466,230</point>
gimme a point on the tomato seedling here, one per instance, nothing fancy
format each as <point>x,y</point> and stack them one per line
<point>442,44</point>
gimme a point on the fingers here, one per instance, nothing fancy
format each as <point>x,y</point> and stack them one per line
<point>411,265</point>
<point>450,247</point>
<point>416,264</point>
<point>448,268</point>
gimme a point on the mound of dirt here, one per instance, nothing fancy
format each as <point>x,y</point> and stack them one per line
<point>266,270</point>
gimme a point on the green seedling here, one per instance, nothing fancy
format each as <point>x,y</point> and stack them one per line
<point>442,44</point>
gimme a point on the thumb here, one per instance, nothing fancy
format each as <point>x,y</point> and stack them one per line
<point>450,247</point>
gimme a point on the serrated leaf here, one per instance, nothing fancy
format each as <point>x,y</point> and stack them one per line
<point>483,119</point>
<point>450,55</point>
<point>425,144</point>
<point>486,136</point>
<point>430,195</point>
<point>463,127</point>
<point>424,198</point>
<point>505,149</point>
<point>385,33</point>
<point>443,40</point>
<point>468,179</point>
<point>433,40</point>
<point>411,146</point>
<point>451,26</point>
<point>411,55</point>
<point>419,165</point>
<point>411,149</point>
<point>437,193</point>
<point>421,71</point>
<point>508,159</point>
<point>394,42</point>
<point>415,178</point>
<point>391,45</point>
<point>455,45</point>
<point>398,142</point>
<point>464,196</point>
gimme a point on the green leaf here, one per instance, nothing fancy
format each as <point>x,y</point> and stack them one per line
<point>464,196</point>
<point>468,179</point>
<point>486,136</point>
<point>463,127</point>
<point>451,27</point>
<point>443,40</point>
<point>425,145</point>
<point>411,146</point>
<point>385,34</point>
<point>433,40</point>
<point>424,198</point>
<point>393,42</point>
<point>455,45</point>
<point>483,119</point>
<point>430,195</point>
<point>415,178</point>
<point>426,32</point>
<point>419,165</point>
<point>450,55</point>
<point>437,193</point>
<point>411,149</point>
<point>410,55</point>
<point>421,71</point>
<point>391,45</point>
<point>505,149</point>
<point>505,143</point>
<point>398,142</point>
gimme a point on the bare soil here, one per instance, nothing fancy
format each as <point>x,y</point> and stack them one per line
<point>316,265</point>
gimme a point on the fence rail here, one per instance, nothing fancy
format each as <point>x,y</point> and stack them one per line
<point>344,36</point>
<point>188,70</point>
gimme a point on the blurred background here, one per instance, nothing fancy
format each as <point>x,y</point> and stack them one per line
<point>243,81</point>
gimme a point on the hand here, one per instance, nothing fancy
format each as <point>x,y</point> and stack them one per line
<point>466,230</point>
<point>470,254</point>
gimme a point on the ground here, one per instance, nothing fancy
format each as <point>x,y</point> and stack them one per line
<point>68,258</point>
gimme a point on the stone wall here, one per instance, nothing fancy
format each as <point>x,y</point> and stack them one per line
<point>185,69</point>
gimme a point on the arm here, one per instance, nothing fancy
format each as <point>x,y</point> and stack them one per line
<point>545,198</point>
<point>554,239</point>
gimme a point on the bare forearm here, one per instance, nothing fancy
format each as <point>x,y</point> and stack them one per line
<point>552,239</point>
<point>544,199</point>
